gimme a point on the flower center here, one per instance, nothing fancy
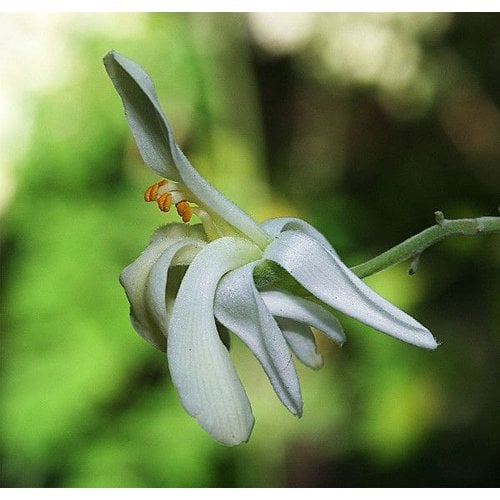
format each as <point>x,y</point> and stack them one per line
<point>167,192</point>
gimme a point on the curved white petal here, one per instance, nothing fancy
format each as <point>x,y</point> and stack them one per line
<point>301,341</point>
<point>325,276</point>
<point>156,142</point>
<point>180,253</point>
<point>200,366</point>
<point>240,308</point>
<point>304,311</point>
<point>134,278</point>
<point>148,123</point>
<point>279,224</point>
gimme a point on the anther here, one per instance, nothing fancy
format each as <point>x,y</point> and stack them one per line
<point>152,191</point>
<point>184,210</point>
<point>164,201</point>
<point>165,196</point>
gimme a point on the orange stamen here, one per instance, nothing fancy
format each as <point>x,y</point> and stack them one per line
<point>184,210</point>
<point>164,201</point>
<point>152,191</point>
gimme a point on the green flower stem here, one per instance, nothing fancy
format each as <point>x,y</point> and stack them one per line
<point>269,274</point>
<point>413,247</point>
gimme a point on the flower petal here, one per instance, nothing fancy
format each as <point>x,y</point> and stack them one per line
<point>240,308</point>
<point>295,315</point>
<point>200,366</point>
<point>305,311</point>
<point>279,224</point>
<point>325,276</point>
<point>180,253</point>
<point>134,278</point>
<point>148,123</point>
<point>301,341</point>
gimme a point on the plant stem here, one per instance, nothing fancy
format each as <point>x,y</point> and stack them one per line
<point>413,247</point>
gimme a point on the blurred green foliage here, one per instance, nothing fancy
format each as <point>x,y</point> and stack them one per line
<point>363,125</point>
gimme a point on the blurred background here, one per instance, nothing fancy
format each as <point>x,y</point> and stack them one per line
<point>361,124</point>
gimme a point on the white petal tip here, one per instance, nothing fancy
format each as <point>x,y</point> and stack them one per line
<point>318,364</point>
<point>294,406</point>
<point>423,339</point>
<point>432,344</point>
<point>228,432</point>
<point>230,441</point>
<point>234,437</point>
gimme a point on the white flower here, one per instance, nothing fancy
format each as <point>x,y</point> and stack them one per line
<point>192,282</point>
